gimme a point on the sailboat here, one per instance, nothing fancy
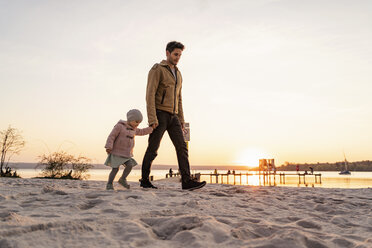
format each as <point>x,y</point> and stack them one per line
<point>346,171</point>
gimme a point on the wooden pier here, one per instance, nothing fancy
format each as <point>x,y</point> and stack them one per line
<point>317,176</point>
<point>264,177</point>
<point>236,175</point>
<point>268,178</point>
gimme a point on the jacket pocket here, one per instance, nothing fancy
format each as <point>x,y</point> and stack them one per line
<point>163,96</point>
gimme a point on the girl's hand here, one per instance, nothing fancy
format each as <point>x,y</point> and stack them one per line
<point>108,151</point>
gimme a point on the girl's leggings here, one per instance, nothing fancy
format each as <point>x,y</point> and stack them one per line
<point>114,171</point>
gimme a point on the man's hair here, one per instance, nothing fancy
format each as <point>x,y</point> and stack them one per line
<point>173,45</point>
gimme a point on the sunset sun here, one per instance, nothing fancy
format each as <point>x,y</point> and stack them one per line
<point>250,157</point>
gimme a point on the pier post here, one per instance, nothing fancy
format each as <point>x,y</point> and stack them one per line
<point>259,177</point>
<point>270,179</point>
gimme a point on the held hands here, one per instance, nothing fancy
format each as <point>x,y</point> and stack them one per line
<point>155,125</point>
<point>108,151</point>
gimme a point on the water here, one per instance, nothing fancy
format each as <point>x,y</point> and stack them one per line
<point>329,179</point>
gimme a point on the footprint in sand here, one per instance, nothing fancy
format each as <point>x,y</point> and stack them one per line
<point>167,227</point>
<point>341,222</point>
<point>337,201</point>
<point>319,200</point>
<point>51,216</point>
<point>241,206</point>
<point>192,203</point>
<point>342,242</point>
<point>258,209</point>
<point>252,220</point>
<point>90,204</point>
<point>244,234</point>
<point>109,211</point>
<point>293,219</point>
<point>49,189</point>
<point>123,214</point>
<point>285,220</point>
<point>265,231</point>
<point>224,221</point>
<point>220,194</point>
<point>133,196</point>
<point>308,224</point>
<point>84,185</point>
<point>322,208</point>
<point>314,243</point>
<point>93,195</point>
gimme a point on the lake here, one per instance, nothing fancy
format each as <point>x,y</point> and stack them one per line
<point>328,179</point>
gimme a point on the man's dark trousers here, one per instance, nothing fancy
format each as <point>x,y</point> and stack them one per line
<point>167,122</point>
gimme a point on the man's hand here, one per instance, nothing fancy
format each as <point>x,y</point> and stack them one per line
<point>183,127</point>
<point>108,151</point>
<point>155,125</point>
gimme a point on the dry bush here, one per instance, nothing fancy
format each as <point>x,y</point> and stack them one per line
<point>65,166</point>
<point>11,143</point>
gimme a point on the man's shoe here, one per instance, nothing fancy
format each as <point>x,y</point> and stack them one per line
<point>123,182</point>
<point>109,186</point>
<point>146,184</point>
<point>192,184</point>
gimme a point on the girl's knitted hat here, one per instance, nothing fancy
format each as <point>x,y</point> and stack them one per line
<point>134,115</point>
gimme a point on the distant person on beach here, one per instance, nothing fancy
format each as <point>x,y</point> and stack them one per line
<point>170,172</point>
<point>297,168</point>
<point>311,170</point>
<point>164,111</point>
<point>119,147</point>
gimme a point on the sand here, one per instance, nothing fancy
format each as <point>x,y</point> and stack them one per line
<point>66,213</point>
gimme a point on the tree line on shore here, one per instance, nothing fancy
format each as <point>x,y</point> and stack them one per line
<point>337,166</point>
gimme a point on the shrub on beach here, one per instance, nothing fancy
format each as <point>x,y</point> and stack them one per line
<point>9,172</point>
<point>11,143</point>
<point>61,165</point>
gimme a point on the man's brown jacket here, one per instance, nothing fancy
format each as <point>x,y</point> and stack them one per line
<point>163,92</point>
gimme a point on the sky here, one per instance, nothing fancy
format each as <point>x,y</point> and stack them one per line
<point>283,79</point>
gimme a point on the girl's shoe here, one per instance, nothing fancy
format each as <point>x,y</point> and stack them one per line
<point>109,186</point>
<point>123,182</point>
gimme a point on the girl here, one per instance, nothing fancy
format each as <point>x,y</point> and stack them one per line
<point>119,146</point>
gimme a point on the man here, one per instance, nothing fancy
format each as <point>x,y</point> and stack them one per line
<point>164,111</point>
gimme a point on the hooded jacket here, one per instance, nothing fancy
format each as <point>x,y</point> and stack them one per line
<point>164,92</point>
<point>121,139</point>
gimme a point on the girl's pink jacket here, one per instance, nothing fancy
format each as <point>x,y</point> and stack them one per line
<point>121,139</point>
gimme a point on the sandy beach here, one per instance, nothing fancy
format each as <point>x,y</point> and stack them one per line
<point>66,213</point>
